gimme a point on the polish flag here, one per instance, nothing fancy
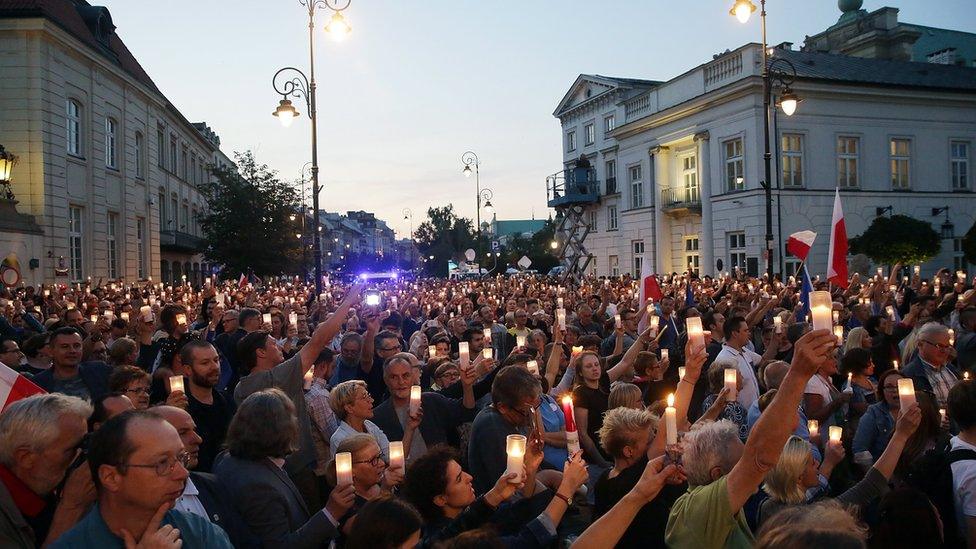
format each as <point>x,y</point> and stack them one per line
<point>242,282</point>
<point>800,242</point>
<point>14,387</point>
<point>649,289</point>
<point>837,256</point>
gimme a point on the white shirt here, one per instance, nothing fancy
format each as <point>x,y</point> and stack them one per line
<point>746,362</point>
<point>189,501</point>
<point>816,385</point>
<point>345,431</point>
<point>963,485</point>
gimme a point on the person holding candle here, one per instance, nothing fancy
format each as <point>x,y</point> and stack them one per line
<point>353,407</point>
<point>821,400</point>
<point>263,432</point>
<point>737,336</point>
<point>591,398</point>
<point>875,427</point>
<point>371,476</point>
<point>931,368</point>
<point>719,404</point>
<point>628,331</point>
<point>857,364</point>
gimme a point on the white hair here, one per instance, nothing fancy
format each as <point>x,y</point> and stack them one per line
<point>932,328</point>
<point>33,422</point>
<point>707,447</point>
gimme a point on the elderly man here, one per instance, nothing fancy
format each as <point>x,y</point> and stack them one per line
<point>39,438</point>
<point>138,464</point>
<point>723,474</point>
<point>931,370</point>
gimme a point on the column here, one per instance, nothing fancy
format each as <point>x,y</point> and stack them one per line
<point>662,229</point>
<point>706,239</point>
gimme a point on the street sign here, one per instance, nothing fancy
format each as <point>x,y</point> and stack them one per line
<point>524,262</point>
<point>495,245</point>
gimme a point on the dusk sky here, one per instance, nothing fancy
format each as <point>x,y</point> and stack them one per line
<point>418,83</point>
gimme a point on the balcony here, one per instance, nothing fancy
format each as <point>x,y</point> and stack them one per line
<point>562,193</point>
<point>681,200</point>
<point>178,241</point>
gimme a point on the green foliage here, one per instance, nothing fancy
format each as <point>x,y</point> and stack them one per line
<point>537,248</point>
<point>445,236</point>
<point>969,245</point>
<point>898,239</point>
<point>248,226</point>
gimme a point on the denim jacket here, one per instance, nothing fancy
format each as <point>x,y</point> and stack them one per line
<point>874,430</point>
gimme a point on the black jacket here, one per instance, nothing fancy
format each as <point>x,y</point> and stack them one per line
<point>93,373</point>
<point>221,512</point>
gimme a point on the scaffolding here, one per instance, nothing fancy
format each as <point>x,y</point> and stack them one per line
<point>571,192</point>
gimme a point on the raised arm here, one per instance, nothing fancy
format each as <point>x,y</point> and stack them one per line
<point>626,363</point>
<point>327,330</point>
<point>695,357</point>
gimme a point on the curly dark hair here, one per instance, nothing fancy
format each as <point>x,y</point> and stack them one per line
<point>426,478</point>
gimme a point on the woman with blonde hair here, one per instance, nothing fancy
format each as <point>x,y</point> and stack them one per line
<point>625,395</point>
<point>796,472</point>
<point>371,475</point>
<point>353,407</point>
<point>857,338</point>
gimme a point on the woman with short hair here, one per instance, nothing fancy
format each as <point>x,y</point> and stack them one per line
<point>353,407</point>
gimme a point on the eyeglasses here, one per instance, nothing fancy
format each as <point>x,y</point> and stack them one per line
<point>389,348</point>
<point>939,346</point>
<point>166,465</point>
<point>375,461</point>
<point>137,390</point>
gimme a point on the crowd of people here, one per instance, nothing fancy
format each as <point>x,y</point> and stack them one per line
<point>696,412</point>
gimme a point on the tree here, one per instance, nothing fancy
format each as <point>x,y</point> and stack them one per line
<point>445,236</point>
<point>898,239</point>
<point>248,225</point>
<point>969,245</point>
<point>537,248</point>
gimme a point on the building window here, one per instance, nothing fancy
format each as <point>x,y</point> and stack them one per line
<point>589,134</point>
<point>591,220</point>
<point>609,123</point>
<point>193,168</point>
<point>614,265</point>
<point>848,155</point>
<point>173,159</point>
<point>636,187</point>
<point>900,151</point>
<point>638,247</point>
<point>571,141</point>
<point>112,230</point>
<point>200,168</point>
<point>792,161</point>
<point>174,212</point>
<point>689,177</point>
<point>184,164</point>
<point>691,254</point>
<point>73,122</point>
<point>111,141</point>
<point>611,218</point>
<point>734,179</point>
<point>791,266</point>
<point>958,256</point>
<point>737,251</point>
<point>611,169</point>
<point>140,155</point>
<point>141,246</point>
<point>75,244</point>
<point>959,164</point>
<point>160,148</point>
<point>185,226</point>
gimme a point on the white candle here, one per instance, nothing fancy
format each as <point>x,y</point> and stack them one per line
<point>577,349</point>
<point>561,318</point>
<point>664,354</point>
<point>839,333</point>
<point>695,334</point>
<point>671,421</point>
<point>175,383</point>
<point>965,376</point>
<point>307,379</point>
<point>533,367</point>
<point>820,305</point>
<point>814,427</point>
<point>520,341</point>
<point>835,316</point>
<point>487,333</point>
<point>732,382</point>
<point>181,319</point>
<point>681,373</point>
<point>559,302</point>
<point>906,392</point>
<point>266,318</point>
<point>942,414</point>
<point>486,352</point>
<point>834,432</point>
<point>655,322</point>
<point>124,316</point>
<point>616,320</point>
<point>515,449</point>
<point>94,318</point>
<point>431,351</point>
<point>891,312</point>
<point>396,454</point>
<point>464,356</point>
<point>343,464</point>
<point>293,319</point>
<point>952,336</point>
<point>778,324</point>
<point>918,269</point>
<point>894,363</point>
<point>147,314</point>
<point>414,399</point>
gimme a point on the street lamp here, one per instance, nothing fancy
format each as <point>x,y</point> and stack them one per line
<point>294,83</point>
<point>407,214</point>
<point>7,161</point>
<point>783,73</point>
<point>469,158</point>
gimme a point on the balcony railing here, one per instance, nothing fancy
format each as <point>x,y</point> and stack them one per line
<point>181,242</point>
<point>563,192</point>
<point>681,198</point>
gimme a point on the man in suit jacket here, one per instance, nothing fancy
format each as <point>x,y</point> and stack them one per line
<point>67,374</point>
<point>930,369</point>
<point>203,495</point>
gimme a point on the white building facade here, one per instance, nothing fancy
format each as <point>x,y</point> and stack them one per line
<point>108,167</point>
<point>680,162</point>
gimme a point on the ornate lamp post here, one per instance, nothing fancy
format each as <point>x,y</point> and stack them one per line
<point>469,159</point>
<point>291,82</point>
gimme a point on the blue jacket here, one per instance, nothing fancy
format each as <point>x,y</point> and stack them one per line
<point>94,374</point>
<point>916,370</point>
<point>874,430</point>
<point>92,531</point>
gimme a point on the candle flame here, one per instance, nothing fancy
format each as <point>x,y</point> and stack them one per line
<point>671,400</point>
<point>567,399</point>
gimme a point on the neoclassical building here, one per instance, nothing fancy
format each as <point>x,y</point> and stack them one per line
<point>888,116</point>
<point>108,167</point>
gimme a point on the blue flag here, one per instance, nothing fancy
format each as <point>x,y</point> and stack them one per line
<point>805,289</point>
<point>689,295</point>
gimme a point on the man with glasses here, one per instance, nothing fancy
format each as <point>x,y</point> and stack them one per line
<point>10,354</point>
<point>931,370</point>
<point>628,320</point>
<point>139,467</point>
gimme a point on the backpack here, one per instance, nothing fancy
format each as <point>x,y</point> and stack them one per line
<point>932,474</point>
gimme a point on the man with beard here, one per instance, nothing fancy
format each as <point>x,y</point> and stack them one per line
<point>207,406</point>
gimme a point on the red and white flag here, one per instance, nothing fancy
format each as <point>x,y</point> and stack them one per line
<point>837,256</point>
<point>800,242</point>
<point>242,281</point>
<point>14,387</point>
<point>649,289</point>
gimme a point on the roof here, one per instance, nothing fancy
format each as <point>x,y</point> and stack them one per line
<point>883,72</point>
<point>933,40</point>
<point>611,83</point>
<point>517,226</point>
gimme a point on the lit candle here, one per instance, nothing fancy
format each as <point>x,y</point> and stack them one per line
<point>515,448</point>
<point>906,392</point>
<point>732,382</point>
<point>431,351</point>
<point>343,464</point>
<point>94,318</point>
<point>918,269</point>
<point>464,356</point>
<point>266,318</point>
<point>487,334</point>
<point>835,316</point>
<point>486,352</point>
<point>891,312</point>
<point>942,414</point>
<point>952,336</point>
<point>414,399</point>
<point>834,432</point>
<point>146,312</point>
<point>778,324</point>
<point>520,341</point>
<point>559,303</point>
<point>671,421</point>
<point>577,349</point>
<point>894,363</point>
<point>695,334</point>
<point>293,319</point>
<point>820,305</point>
<point>814,427</point>
<point>655,322</point>
<point>681,373</point>
<point>181,319</point>
<point>839,333</point>
<point>396,454</point>
<point>533,367</point>
<point>124,316</point>
<point>572,436</point>
<point>664,354</point>
<point>880,271</point>
<point>616,320</point>
<point>561,318</point>
<point>175,384</point>
<point>961,276</point>
<point>965,376</point>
